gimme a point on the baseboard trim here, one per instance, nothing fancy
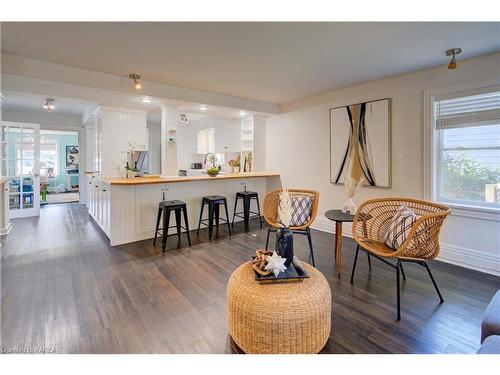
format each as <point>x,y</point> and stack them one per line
<point>325,225</point>
<point>469,258</point>
<point>6,230</point>
<point>459,256</point>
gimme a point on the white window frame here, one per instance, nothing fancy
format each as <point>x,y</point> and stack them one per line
<point>57,167</point>
<point>52,143</point>
<point>431,150</point>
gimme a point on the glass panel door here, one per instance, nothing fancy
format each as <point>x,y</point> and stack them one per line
<point>20,160</point>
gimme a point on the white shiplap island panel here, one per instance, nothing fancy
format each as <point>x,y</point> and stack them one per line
<point>126,210</point>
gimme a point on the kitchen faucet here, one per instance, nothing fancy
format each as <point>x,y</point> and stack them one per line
<point>213,158</point>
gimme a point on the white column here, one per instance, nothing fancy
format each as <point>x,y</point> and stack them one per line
<point>259,143</point>
<point>169,118</point>
<point>5,225</point>
<point>164,139</point>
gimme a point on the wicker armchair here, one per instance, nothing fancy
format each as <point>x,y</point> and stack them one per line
<point>372,221</point>
<point>271,201</point>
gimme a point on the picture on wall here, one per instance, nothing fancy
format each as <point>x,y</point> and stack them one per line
<point>71,157</point>
<point>360,143</point>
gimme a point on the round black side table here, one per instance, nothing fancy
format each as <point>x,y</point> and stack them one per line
<point>340,217</point>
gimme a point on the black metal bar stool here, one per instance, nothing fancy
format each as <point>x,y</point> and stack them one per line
<point>214,202</point>
<point>247,214</point>
<point>165,208</point>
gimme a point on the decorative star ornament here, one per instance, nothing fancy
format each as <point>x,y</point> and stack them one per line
<point>276,264</point>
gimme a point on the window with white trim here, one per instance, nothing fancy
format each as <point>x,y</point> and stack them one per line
<point>467,144</point>
<point>49,157</point>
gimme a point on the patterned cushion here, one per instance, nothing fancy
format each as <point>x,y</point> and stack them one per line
<point>301,209</point>
<point>399,227</point>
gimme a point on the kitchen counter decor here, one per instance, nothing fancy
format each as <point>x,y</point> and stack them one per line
<point>260,262</point>
<point>269,267</point>
<point>213,171</point>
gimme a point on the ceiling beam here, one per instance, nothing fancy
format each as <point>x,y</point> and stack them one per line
<point>76,77</point>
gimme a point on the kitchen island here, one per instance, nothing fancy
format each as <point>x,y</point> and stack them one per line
<point>126,208</point>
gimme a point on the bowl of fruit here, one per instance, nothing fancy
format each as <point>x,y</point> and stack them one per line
<point>213,171</point>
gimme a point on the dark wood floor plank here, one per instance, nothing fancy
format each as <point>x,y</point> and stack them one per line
<point>64,288</point>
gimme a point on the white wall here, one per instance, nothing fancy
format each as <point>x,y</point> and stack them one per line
<point>45,119</point>
<point>120,128</point>
<point>298,148</point>
<point>154,148</point>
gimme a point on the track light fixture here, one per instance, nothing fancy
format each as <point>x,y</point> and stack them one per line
<point>136,77</point>
<point>49,104</point>
<point>453,52</point>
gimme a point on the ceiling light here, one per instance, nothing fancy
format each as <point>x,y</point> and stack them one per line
<point>242,113</point>
<point>136,77</point>
<point>147,100</point>
<point>203,107</point>
<point>49,104</point>
<point>184,119</point>
<point>453,52</point>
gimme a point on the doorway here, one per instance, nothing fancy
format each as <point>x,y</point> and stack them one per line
<point>59,167</point>
<point>20,155</point>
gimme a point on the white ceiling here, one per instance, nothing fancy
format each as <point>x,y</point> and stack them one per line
<point>22,101</point>
<point>276,62</point>
<point>33,102</point>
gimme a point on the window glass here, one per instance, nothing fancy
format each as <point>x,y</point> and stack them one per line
<point>468,161</point>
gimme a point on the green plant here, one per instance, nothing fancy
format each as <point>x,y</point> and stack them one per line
<point>465,178</point>
<point>213,171</point>
<point>43,193</point>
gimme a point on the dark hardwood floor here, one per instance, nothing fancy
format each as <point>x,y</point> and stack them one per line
<point>64,289</point>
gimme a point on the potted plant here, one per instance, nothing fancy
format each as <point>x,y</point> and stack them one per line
<point>213,171</point>
<point>237,163</point>
<point>231,164</point>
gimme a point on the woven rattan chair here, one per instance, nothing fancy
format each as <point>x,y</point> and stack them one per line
<point>271,201</point>
<point>372,221</point>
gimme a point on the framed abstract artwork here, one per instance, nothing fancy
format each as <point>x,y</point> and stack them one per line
<point>360,143</point>
<point>71,157</point>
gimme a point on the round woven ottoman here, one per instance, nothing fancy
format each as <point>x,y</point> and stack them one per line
<point>290,317</point>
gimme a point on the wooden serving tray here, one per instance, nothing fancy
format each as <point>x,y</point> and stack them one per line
<point>294,273</point>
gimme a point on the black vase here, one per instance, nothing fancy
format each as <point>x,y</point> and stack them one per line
<point>284,244</point>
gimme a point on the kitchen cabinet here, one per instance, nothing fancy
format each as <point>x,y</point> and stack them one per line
<point>89,148</point>
<point>127,212</point>
<point>105,208</point>
<point>227,136</point>
<point>206,141</point>
<point>217,135</point>
<point>90,194</point>
<point>98,203</point>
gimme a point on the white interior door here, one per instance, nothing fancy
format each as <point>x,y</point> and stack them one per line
<point>20,157</point>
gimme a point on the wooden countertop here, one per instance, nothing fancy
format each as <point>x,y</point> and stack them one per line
<point>165,180</point>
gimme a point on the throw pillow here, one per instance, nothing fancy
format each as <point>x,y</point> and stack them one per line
<point>301,209</point>
<point>399,227</point>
